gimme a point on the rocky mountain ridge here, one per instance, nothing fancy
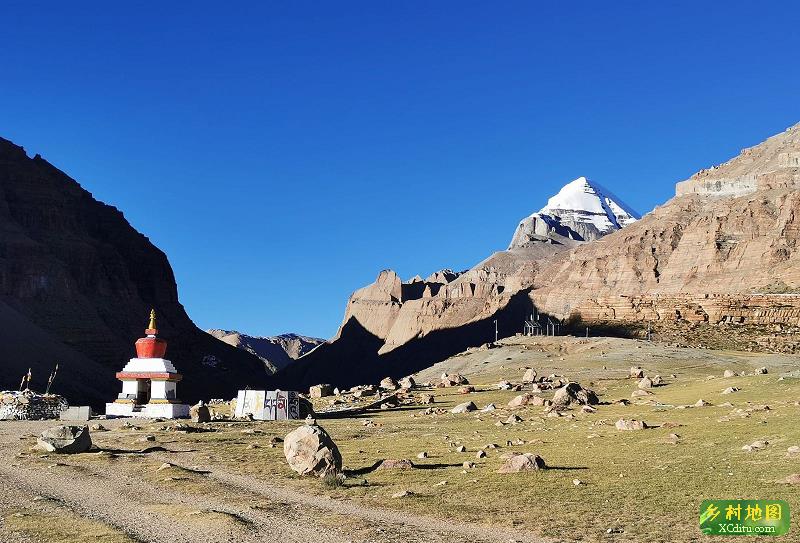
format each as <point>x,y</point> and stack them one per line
<point>721,252</point>
<point>276,352</point>
<point>450,311</point>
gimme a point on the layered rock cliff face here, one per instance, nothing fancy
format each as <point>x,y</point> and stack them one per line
<point>723,250</point>
<point>276,352</point>
<point>775,163</point>
<point>77,283</point>
<point>394,326</point>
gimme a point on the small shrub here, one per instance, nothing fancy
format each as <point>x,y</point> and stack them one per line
<point>333,480</point>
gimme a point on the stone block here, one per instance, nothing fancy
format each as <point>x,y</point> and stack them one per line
<point>77,413</point>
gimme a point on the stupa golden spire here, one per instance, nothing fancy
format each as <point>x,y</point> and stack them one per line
<point>152,325</point>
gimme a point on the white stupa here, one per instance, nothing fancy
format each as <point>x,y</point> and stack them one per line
<point>149,381</point>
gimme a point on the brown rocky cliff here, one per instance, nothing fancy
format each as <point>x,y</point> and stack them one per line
<point>76,269</point>
<point>716,242</point>
<point>725,249</point>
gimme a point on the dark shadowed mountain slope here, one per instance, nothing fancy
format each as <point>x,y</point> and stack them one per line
<point>79,282</point>
<point>358,356</point>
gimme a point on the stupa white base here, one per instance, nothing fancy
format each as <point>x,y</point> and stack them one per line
<point>150,410</point>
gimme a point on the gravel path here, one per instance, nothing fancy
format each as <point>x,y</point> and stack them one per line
<point>115,494</point>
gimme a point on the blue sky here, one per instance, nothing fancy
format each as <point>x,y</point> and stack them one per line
<point>283,153</point>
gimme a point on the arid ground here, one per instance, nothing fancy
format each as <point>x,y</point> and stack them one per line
<point>227,483</point>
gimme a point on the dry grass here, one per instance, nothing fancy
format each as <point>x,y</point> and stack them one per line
<point>62,527</point>
<point>636,481</point>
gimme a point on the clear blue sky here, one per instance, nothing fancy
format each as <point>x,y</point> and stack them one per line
<point>282,153</point>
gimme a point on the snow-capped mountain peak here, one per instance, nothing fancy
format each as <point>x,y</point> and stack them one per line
<point>588,201</point>
<point>582,211</point>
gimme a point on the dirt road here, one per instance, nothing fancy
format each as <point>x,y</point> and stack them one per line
<point>241,509</point>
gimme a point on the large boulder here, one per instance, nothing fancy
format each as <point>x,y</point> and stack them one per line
<point>453,380</point>
<point>529,376</point>
<point>320,391</point>
<point>200,412</point>
<point>387,383</point>
<point>407,382</point>
<point>65,440</point>
<point>574,393</point>
<point>309,450</point>
<point>522,462</point>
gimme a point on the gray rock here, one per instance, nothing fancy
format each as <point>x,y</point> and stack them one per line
<point>574,393</point>
<point>320,391</point>
<point>65,440</point>
<point>522,462</point>
<point>755,446</point>
<point>200,412</point>
<point>402,494</point>
<point>455,379</point>
<point>309,450</point>
<point>407,382</point>
<point>529,376</point>
<point>392,463</point>
<point>464,408</point>
<point>387,383</point>
<point>519,401</point>
<point>76,413</point>
<point>630,424</point>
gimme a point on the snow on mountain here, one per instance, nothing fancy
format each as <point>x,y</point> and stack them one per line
<point>276,352</point>
<point>581,211</point>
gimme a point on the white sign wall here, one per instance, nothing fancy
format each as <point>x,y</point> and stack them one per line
<point>268,404</point>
